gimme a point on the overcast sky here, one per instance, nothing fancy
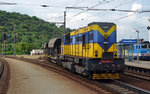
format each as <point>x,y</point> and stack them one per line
<point>126,22</point>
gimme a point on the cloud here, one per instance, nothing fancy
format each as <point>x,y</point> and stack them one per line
<point>135,7</point>
<point>77,21</point>
<point>127,26</point>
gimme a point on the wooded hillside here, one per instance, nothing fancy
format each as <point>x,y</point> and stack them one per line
<point>31,32</point>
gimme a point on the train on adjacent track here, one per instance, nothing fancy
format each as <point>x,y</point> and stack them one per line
<point>143,50</point>
<point>132,51</point>
<point>90,51</point>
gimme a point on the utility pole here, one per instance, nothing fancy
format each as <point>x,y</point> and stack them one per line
<point>4,42</point>
<point>64,31</point>
<point>2,48</point>
<point>137,45</point>
<point>149,29</point>
<point>1,27</point>
<point>14,38</point>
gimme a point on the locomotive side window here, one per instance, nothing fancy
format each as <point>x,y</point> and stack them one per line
<point>91,36</point>
<point>77,39</point>
<point>70,40</point>
<point>83,38</point>
<point>80,38</point>
<point>144,46</point>
<point>137,47</point>
<point>67,39</point>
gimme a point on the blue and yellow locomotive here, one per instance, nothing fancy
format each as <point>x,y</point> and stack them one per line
<point>91,51</point>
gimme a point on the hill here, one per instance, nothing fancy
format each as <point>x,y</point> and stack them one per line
<point>31,32</point>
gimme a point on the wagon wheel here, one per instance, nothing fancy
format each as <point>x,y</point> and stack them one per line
<point>90,76</point>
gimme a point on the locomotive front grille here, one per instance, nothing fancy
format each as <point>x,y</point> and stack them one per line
<point>107,55</point>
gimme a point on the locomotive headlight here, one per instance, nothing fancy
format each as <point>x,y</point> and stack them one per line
<point>115,51</point>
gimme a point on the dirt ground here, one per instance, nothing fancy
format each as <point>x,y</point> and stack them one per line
<point>30,56</point>
<point>27,78</point>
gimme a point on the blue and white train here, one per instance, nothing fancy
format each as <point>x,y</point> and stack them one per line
<point>144,51</point>
<point>131,51</point>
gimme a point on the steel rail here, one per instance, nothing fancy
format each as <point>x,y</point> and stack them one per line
<point>1,68</point>
<point>131,87</point>
<point>137,75</point>
<point>134,68</point>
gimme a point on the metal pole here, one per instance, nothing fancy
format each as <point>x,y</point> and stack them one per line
<point>121,51</point>
<point>64,22</point>
<point>124,51</point>
<point>4,47</point>
<point>149,29</point>
<point>137,45</point>
<point>132,51</point>
<point>14,38</point>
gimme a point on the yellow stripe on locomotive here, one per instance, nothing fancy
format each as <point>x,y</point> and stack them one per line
<point>106,76</point>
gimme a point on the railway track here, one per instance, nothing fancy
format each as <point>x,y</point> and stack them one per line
<point>136,72</point>
<point>109,87</point>
<point>4,76</point>
<point>137,75</point>
<point>1,67</point>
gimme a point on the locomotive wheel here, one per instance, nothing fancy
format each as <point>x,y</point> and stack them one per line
<point>90,76</point>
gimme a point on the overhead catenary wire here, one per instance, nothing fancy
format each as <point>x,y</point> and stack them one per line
<point>5,3</point>
<point>42,5</point>
<point>121,4</point>
<point>85,10</point>
<point>77,2</point>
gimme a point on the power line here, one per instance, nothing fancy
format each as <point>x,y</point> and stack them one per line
<point>103,2</point>
<point>42,5</point>
<point>124,17</point>
<point>77,2</point>
<point>123,3</point>
<point>113,9</point>
<point>118,10</point>
<point>5,3</point>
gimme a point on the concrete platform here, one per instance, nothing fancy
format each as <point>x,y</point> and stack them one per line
<point>27,78</point>
<point>140,64</point>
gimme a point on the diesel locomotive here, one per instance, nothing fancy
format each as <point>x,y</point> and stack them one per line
<point>90,51</point>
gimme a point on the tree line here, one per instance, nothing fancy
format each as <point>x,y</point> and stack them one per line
<point>30,32</point>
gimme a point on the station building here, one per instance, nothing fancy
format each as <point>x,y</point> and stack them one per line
<point>37,52</point>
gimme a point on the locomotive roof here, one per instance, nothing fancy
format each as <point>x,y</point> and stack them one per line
<point>101,23</point>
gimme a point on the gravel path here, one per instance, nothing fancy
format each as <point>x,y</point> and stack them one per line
<point>27,78</point>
